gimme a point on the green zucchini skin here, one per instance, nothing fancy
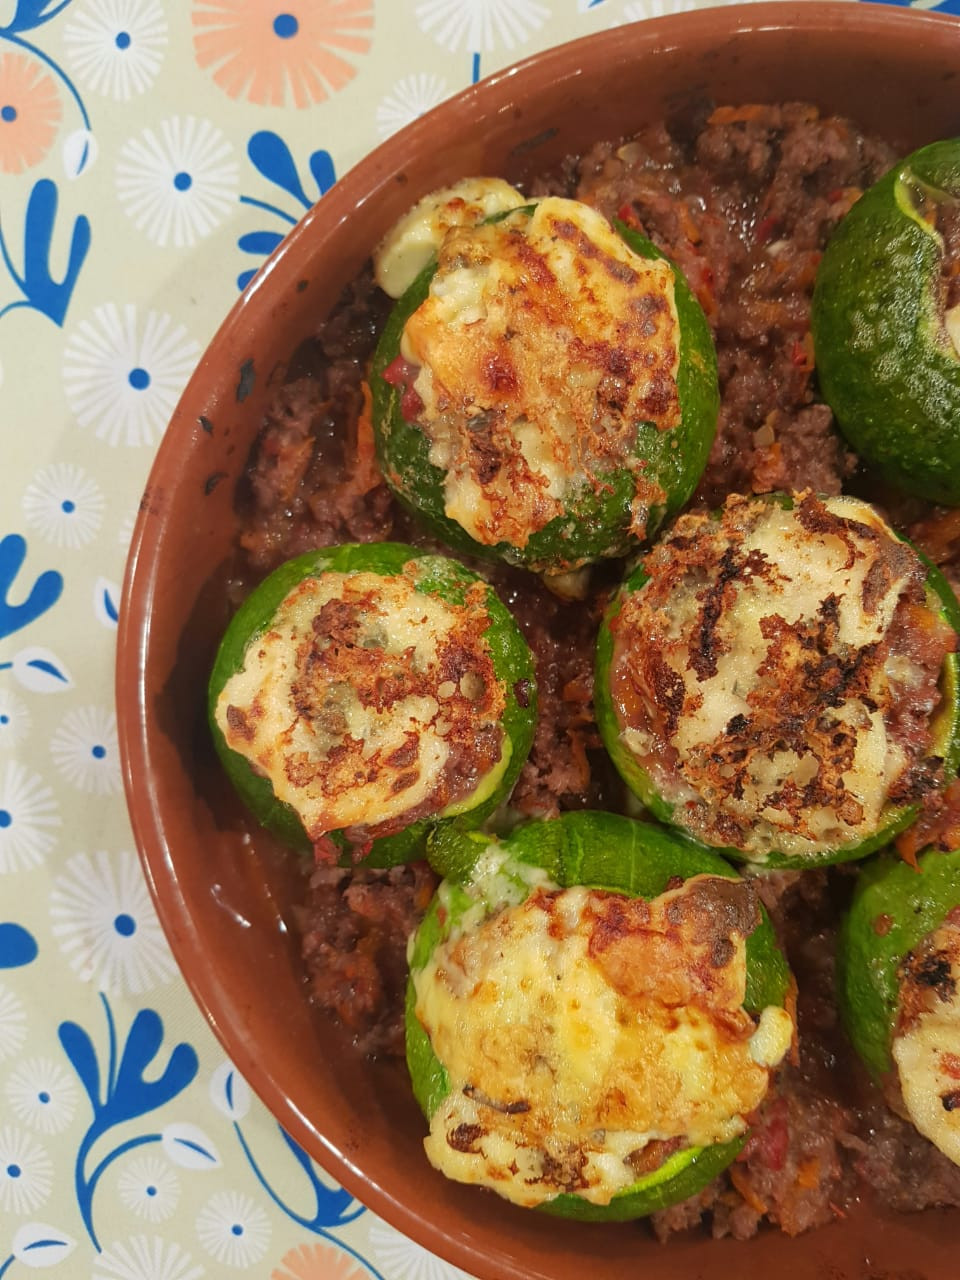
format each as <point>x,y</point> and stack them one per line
<point>602,851</point>
<point>438,576</point>
<point>897,818</point>
<point>596,524</point>
<point>893,909</point>
<point>886,365</point>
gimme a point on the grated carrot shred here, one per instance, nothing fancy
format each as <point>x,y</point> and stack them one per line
<point>742,1184</point>
<point>367,475</point>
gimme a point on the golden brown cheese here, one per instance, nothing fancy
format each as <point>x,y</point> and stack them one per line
<point>757,675</point>
<point>368,703</point>
<point>586,1033</point>
<point>542,345</point>
<point>412,242</point>
<point>926,1044</point>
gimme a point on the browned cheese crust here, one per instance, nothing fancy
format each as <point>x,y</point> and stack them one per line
<point>543,344</point>
<point>369,698</point>
<point>804,690</point>
<point>587,1035</point>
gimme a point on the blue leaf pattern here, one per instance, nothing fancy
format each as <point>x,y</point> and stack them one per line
<point>37,1245</point>
<point>78,1047</point>
<point>47,668</point>
<point>105,606</point>
<point>43,595</point>
<point>127,1094</point>
<point>189,1147</point>
<point>948,6</point>
<point>332,1205</point>
<point>32,13</point>
<point>41,291</point>
<point>321,166</point>
<point>38,669</point>
<point>229,1092</point>
<point>271,156</point>
<point>273,160</point>
<point>262,242</point>
<point>17,946</point>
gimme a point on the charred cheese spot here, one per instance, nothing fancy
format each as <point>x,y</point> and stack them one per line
<point>413,241</point>
<point>926,1044</point>
<point>760,676</point>
<point>580,1028</point>
<point>369,704</point>
<point>542,346</point>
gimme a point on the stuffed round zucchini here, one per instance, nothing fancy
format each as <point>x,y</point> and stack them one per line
<point>364,692</point>
<point>886,324</point>
<point>779,680</point>
<point>899,987</point>
<point>595,1009</point>
<point>545,391</point>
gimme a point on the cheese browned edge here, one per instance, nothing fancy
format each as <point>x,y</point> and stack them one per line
<point>761,675</point>
<point>587,1036</point>
<point>926,1041</point>
<point>369,704</point>
<point>413,241</point>
<point>542,346</point>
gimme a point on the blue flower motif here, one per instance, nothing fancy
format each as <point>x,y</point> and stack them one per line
<point>121,1093</point>
<point>64,505</point>
<point>117,47</point>
<point>29,818</point>
<point>100,908</point>
<point>233,1229</point>
<point>272,158</point>
<point>42,1095</point>
<point>15,720</point>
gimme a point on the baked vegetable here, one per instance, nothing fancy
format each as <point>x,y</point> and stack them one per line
<point>898,987</point>
<point>779,680</point>
<point>546,390</point>
<point>886,324</point>
<point>595,1008</point>
<point>364,692</point>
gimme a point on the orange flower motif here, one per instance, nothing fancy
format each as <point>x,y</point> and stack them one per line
<point>268,51</point>
<point>317,1262</point>
<point>29,113</point>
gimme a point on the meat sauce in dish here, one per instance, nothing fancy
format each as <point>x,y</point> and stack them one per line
<point>744,200</point>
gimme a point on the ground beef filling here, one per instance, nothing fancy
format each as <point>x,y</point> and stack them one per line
<point>355,924</point>
<point>744,200</point>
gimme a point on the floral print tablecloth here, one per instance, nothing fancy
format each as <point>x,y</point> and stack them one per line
<point>152,153</point>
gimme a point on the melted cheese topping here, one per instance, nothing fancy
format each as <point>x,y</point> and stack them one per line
<point>584,1033</point>
<point>754,675</point>
<point>926,1046</point>
<point>413,241</point>
<point>542,345</point>
<point>368,703</point>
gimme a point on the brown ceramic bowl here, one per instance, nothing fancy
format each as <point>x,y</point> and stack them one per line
<point>225,893</point>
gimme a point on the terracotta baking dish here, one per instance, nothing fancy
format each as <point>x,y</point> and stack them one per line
<point>225,894</point>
